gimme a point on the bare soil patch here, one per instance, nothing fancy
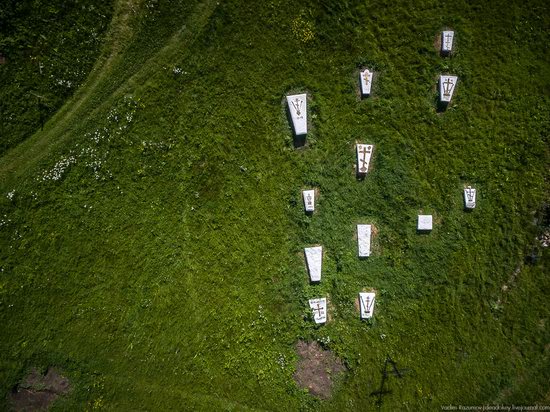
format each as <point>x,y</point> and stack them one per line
<point>36,392</point>
<point>317,369</point>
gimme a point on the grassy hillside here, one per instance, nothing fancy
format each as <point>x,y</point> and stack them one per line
<point>152,234</point>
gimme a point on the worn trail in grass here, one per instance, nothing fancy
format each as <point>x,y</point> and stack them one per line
<point>155,251</point>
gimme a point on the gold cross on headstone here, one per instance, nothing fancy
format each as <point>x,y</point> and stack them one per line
<point>368,305</point>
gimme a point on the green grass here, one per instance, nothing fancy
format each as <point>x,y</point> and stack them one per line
<point>50,47</point>
<point>163,269</point>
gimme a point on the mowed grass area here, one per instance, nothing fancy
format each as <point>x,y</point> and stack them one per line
<point>50,47</point>
<point>152,234</point>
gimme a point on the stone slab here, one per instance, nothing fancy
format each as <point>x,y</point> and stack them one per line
<point>297,105</point>
<point>364,154</point>
<point>447,85</point>
<point>365,79</point>
<point>319,309</point>
<point>314,261</point>
<point>424,222</point>
<point>366,304</point>
<point>309,200</point>
<point>469,198</point>
<point>447,37</point>
<point>363,240</point>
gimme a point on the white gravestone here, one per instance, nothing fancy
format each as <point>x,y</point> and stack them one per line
<point>297,104</point>
<point>366,304</point>
<point>364,153</point>
<point>470,198</point>
<point>309,200</point>
<point>319,309</point>
<point>314,260</point>
<point>365,78</point>
<point>447,41</point>
<point>446,88</point>
<point>363,240</point>
<point>424,222</point>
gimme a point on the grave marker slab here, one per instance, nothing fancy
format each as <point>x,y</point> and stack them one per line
<point>365,79</point>
<point>363,240</point>
<point>309,200</point>
<point>314,260</point>
<point>469,198</point>
<point>424,222</point>
<point>319,309</point>
<point>447,37</point>
<point>366,304</point>
<point>447,86</point>
<point>297,104</point>
<point>364,154</point>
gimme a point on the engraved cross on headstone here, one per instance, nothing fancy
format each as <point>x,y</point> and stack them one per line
<point>366,150</point>
<point>448,38</point>
<point>319,309</point>
<point>368,304</point>
<point>470,194</point>
<point>447,87</point>
<point>298,106</point>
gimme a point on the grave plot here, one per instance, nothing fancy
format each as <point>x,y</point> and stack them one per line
<point>364,154</point>
<point>469,198</point>
<point>297,105</point>
<point>447,37</point>
<point>365,80</point>
<point>424,223</point>
<point>447,86</point>
<point>366,304</point>
<point>363,240</point>
<point>314,261</point>
<point>317,369</point>
<point>309,200</point>
<point>37,392</point>
<point>319,309</point>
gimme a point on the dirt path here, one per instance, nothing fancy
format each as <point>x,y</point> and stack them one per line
<point>23,157</point>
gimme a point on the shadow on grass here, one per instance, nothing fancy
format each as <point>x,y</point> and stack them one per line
<point>441,106</point>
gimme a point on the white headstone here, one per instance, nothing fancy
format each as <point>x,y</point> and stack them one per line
<point>366,304</point>
<point>319,309</point>
<point>314,260</point>
<point>424,222</point>
<point>470,198</point>
<point>363,239</point>
<point>365,78</point>
<point>297,104</point>
<point>309,200</point>
<point>447,41</point>
<point>447,87</point>
<point>364,153</point>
